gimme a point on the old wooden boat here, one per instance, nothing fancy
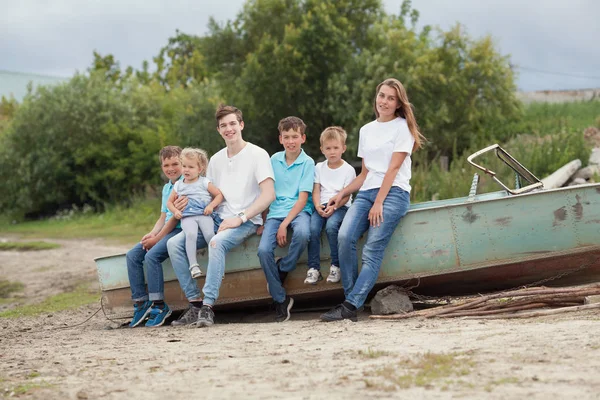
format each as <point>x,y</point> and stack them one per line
<point>478,243</point>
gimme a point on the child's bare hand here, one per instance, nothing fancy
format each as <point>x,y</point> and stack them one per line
<point>177,214</point>
<point>208,210</point>
<point>260,230</point>
<point>329,210</point>
<point>149,242</point>
<point>282,235</point>
<point>321,209</point>
<point>146,236</point>
<point>181,202</point>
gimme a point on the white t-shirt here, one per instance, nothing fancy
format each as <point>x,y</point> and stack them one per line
<point>377,142</point>
<point>197,190</point>
<point>333,180</point>
<point>238,178</point>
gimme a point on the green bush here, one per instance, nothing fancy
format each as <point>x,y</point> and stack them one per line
<point>89,141</point>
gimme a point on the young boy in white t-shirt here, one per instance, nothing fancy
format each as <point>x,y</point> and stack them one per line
<point>331,176</point>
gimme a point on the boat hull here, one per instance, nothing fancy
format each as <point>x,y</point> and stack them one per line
<point>451,247</point>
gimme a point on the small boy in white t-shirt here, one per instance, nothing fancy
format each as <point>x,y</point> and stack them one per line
<point>331,176</point>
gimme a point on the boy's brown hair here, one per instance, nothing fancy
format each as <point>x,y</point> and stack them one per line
<point>334,133</point>
<point>169,152</point>
<point>292,123</point>
<point>224,110</point>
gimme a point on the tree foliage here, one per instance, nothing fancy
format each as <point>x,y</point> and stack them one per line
<point>94,139</point>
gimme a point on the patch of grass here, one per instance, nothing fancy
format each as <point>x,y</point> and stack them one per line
<point>372,353</point>
<point>504,381</point>
<point>27,246</point>
<point>7,288</point>
<point>424,371</point>
<point>120,224</point>
<point>81,296</point>
<point>28,387</point>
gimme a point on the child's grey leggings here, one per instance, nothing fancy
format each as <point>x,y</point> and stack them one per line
<point>190,226</point>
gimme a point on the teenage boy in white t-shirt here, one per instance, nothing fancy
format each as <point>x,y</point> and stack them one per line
<point>243,173</point>
<point>331,176</point>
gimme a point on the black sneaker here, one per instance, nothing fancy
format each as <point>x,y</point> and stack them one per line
<point>189,317</point>
<point>339,313</point>
<point>206,317</point>
<point>282,310</point>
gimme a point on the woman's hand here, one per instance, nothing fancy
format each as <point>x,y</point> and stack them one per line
<point>376,214</point>
<point>336,201</point>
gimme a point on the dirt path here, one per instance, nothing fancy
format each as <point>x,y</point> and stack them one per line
<point>551,357</point>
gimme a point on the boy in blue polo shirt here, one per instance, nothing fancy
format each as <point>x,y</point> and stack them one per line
<point>149,304</point>
<point>294,174</point>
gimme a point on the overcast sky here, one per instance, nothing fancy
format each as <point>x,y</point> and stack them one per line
<point>555,43</point>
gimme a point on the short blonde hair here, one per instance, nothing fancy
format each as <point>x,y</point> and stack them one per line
<point>334,133</point>
<point>198,155</point>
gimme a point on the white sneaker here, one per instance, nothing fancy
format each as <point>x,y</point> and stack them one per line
<point>195,270</point>
<point>313,276</point>
<point>334,274</point>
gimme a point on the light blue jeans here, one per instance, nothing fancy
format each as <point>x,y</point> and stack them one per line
<point>332,228</point>
<point>221,243</point>
<point>266,251</point>
<point>357,286</point>
<point>154,258</point>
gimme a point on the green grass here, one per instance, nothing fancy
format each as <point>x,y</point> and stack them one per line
<point>81,296</point>
<point>8,288</point>
<point>120,224</point>
<point>27,246</point>
<point>424,371</point>
<point>372,353</point>
<point>547,137</point>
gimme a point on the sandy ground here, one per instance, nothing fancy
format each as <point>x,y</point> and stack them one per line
<point>549,357</point>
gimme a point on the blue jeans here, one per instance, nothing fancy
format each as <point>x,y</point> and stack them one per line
<point>357,286</point>
<point>221,243</point>
<point>154,258</point>
<point>266,251</point>
<point>332,227</point>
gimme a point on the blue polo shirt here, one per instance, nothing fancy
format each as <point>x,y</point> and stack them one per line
<point>290,180</point>
<point>166,192</point>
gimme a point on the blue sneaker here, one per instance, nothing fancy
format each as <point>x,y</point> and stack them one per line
<point>158,316</point>
<point>140,313</point>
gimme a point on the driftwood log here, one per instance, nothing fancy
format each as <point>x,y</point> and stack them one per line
<point>510,304</point>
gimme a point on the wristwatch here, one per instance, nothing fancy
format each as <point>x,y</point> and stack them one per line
<point>242,217</point>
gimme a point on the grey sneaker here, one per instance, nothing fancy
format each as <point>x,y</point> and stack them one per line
<point>195,271</point>
<point>334,274</point>
<point>189,317</point>
<point>206,317</point>
<point>313,276</point>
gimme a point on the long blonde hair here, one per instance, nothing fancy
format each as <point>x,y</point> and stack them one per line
<point>404,110</point>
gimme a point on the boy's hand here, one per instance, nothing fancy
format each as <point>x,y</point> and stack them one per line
<point>208,210</point>
<point>146,236</point>
<point>149,242</point>
<point>321,210</point>
<point>181,202</point>
<point>260,230</point>
<point>229,223</point>
<point>329,210</point>
<point>282,235</point>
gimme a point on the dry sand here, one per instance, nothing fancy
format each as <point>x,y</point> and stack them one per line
<point>550,357</point>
